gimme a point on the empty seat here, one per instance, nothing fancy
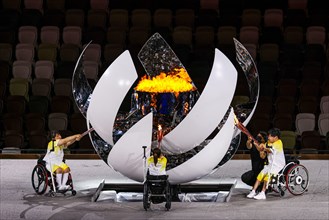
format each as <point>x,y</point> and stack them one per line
<point>34,122</point>
<point>324,104</point>
<point>42,87</point>
<point>75,17</point>
<point>16,104</point>
<point>22,69</point>
<point>97,18</point>
<point>309,87</point>
<point>304,122</point>
<point>323,123</point>
<point>56,5</point>
<point>269,52</point>
<point>289,139</point>
<point>72,35</point>
<point>50,35</point>
<point>69,52</point>
<point>311,142</point>
<point>163,18</point>
<point>283,121</point>
<point>25,52</point>
<point>316,35</point>
<point>287,87</point>
<point>12,122</point>
<point>13,142</point>
<point>308,104</point>
<point>119,18</point>
<point>91,70</point>
<point>312,70</point>
<point>285,104</point>
<point>185,17</point>
<point>38,140</point>
<point>260,122</point>
<point>99,5</point>
<point>78,123</point>
<point>57,121</point>
<point>93,53</point>
<point>44,69</point>
<point>61,104</point>
<point>19,86</point>
<point>204,36</point>
<point>48,52</point>
<point>6,52</point>
<point>111,52</point>
<point>138,36</point>
<point>251,17</point>
<point>63,87</point>
<point>39,105</point>
<point>182,35</point>
<point>116,36</point>
<point>273,17</point>
<point>225,35</point>
<point>34,4</point>
<point>249,35</point>
<point>28,35</point>
<point>293,35</point>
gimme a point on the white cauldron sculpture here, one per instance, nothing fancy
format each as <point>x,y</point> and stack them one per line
<point>190,155</point>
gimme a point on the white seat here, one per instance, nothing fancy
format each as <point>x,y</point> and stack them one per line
<point>304,122</point>
<point>324,104</point>
<point>323,123</point>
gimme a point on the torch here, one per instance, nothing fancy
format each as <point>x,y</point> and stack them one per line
<point>87,132</point>
<point>159,135</point>
<point>243,129</point>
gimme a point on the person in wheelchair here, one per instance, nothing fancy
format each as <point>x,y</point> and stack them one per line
<point>276,161</point>
<point>54,157</point>
<point>157,163</point>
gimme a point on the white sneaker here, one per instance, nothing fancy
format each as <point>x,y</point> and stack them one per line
<point>260,195</point>
<point>251,194</point>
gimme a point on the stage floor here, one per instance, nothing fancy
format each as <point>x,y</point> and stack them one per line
<point>19,201</point>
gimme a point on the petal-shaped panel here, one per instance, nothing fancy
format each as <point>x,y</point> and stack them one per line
<point>208,111</point>
<point>204,162</point>
<point>127,154</point>
<point>108,95</point>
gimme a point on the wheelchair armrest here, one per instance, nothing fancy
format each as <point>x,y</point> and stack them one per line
<point>159,177</point>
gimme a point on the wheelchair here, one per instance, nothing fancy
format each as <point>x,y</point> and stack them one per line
<point>156,190</point>
<point>293,177</point>
<point>41,178</point>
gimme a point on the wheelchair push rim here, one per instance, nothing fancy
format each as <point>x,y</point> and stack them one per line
<point>297,179</point>
<point>39,179</point>
<point>146,202</point>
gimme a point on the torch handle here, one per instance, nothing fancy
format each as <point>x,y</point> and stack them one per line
<point>87,132</point>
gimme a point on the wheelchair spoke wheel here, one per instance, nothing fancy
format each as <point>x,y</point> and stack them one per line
<point>297,179</point>
<point>146,202</point>
<point>39,179</point>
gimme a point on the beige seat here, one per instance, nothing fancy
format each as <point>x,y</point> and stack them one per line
<point>44,69</point>
<point>324,104</point>
<point>304,122</point>
<point>28,35</point>
<point>50,35</point>
<point>22,69</point>
<point>25,52</point>
<point>323,123</point>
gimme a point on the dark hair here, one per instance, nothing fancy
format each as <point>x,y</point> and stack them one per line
<point>53,134</point>
<point>157,152</point>
<point>264,135</point>
<point>275,132</point>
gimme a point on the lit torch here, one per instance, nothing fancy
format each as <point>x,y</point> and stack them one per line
<point>160,135</point>
<point>243,129</point>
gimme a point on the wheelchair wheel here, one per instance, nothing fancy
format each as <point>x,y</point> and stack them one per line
<point>297,179</point>
<point>39,179</point>
<point>168,197</point>
<point>146,202</point>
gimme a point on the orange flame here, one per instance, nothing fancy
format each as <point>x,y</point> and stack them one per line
<point>174,82</point>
